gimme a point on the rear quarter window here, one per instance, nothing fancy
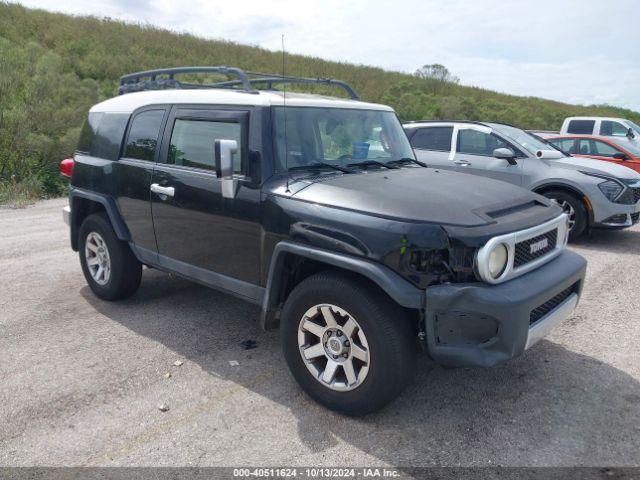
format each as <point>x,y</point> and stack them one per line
<point>108,140</point>
<point>101,135</point>
<point>581,127</point>
<point>88,132</point>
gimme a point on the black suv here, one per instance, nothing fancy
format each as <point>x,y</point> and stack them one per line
<point>316,209</point>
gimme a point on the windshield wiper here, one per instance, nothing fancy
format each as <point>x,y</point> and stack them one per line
<point>367,163</point>
<point>318,165</point>
<point>402,160</point>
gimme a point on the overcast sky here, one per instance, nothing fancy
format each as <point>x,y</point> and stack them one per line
<point>576,51</point>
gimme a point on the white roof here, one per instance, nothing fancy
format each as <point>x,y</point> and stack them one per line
<point>129,102</point>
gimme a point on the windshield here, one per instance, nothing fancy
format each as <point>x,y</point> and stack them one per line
<point>634,126</point>
<point>337,136</point>
<point>527,141</point>
<point>632,147</point>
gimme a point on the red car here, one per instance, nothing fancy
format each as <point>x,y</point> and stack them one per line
<point>612,149</point>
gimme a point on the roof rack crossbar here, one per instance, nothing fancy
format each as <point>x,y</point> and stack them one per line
<point>148,80</point>
<point>270,81</point>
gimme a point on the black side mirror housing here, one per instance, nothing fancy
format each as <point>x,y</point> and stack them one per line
<point>630,133</point>
<point>620,156</point>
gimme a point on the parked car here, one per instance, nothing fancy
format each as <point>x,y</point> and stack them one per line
<point>593,193</point>
<point>618,150</point>
<point>359,255</point>
<point>603,126</point>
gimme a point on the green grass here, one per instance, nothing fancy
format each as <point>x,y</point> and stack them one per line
<point>20,194</point>
<point>53,67</point>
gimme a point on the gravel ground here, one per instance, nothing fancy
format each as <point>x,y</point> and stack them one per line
<point>81,379</point>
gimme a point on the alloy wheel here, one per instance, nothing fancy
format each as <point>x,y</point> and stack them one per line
<point>333,347</point>
<point>96,255</point>
<point>569,210</point>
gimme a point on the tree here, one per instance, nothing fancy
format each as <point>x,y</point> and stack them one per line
<point>437,77</point>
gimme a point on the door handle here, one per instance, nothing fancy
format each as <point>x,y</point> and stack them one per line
<point>168,191</point>
<point>462,163</point>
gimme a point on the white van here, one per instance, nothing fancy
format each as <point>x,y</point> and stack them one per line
<point>605,126</point>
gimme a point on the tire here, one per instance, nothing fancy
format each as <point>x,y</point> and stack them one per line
<point>389,344</point>
<point>125,272</point>
<point>571,203</point>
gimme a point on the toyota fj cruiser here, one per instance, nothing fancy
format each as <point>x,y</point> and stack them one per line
<point>316,209</point>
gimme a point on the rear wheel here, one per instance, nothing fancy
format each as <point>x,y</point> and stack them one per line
<point>574,208</point>
<point>109,266</point>
<point>348,346</point>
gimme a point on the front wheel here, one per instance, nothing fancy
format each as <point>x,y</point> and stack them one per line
<point>348,345</point>
<point>574,208</point>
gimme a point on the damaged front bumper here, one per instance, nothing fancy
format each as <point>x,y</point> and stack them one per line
<point>478,324</point>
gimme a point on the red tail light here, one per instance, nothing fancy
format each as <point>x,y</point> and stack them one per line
<point>66,167</point>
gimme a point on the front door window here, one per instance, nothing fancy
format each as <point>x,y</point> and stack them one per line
<point>193,143</point>
<point>475,142</point>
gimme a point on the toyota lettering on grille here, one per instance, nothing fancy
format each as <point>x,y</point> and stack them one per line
<point>541,245</point>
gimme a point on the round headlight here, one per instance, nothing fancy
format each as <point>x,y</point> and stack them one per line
<point>498,259</point>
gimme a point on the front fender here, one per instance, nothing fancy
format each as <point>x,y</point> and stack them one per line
<point>399,289</point>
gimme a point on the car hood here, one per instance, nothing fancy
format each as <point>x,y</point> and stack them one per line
<point>601,167</point>
<point>423,195</point>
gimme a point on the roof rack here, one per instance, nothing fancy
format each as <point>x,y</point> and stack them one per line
<point>148,80</point>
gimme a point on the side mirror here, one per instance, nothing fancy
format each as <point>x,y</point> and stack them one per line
<point>621,156</point>
<point>505,154</point>
<point>630,133</point>
<point>224,150</point>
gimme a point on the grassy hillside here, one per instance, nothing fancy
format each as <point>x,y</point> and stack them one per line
<point>53,67</point>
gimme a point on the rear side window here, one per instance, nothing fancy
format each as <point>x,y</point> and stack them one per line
<point>475,142</point>
<point>615,129</point>
<point>581,127</point>
<point>88,132</point>
<point>193,143</point>
<point>143,135</point>
<point>433,138</point>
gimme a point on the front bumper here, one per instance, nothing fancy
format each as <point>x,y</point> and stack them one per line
<point>617,215</point>
<point>477,324</point>
<point>622,220</point>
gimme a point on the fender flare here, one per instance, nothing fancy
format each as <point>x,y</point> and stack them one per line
<point>109,205</point>
<point>398,288</point>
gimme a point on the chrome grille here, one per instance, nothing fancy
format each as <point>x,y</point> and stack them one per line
<point>553,234</point>
<point>526,250</point>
